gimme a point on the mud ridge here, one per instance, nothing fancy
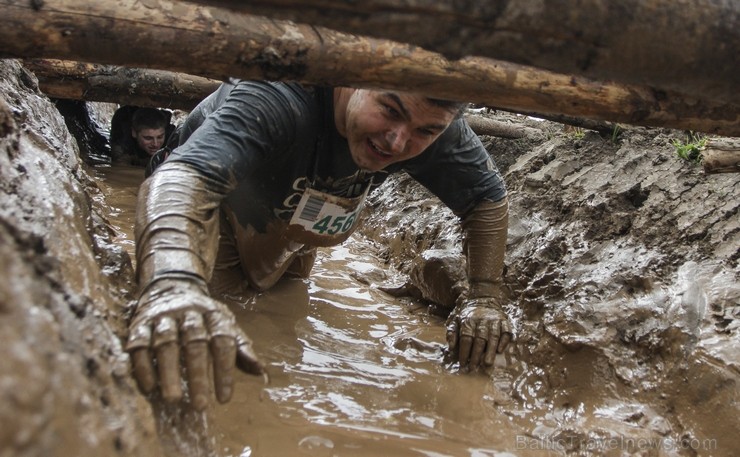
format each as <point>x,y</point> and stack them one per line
<point>622,258</point>
<point>66,388</point>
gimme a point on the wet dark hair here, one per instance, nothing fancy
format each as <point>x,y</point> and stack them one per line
<point>450,105</point>
<point>150,118</point>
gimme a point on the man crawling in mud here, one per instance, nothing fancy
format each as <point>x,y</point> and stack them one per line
<point>266,172</point>
<point>136,134</point>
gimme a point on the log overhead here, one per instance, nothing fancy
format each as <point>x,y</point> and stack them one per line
<point>483,125</point>
<point>218,43</point>
<point>164,89</point>
<point>688,47</point>
<point>127,86</point>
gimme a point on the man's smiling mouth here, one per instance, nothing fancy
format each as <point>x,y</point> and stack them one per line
<point>379,151</point>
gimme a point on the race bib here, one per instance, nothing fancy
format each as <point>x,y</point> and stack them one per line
<point>327,215</point>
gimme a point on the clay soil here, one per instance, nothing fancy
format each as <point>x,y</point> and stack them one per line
<point>621,275</point>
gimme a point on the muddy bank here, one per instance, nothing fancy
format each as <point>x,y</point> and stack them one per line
<point>622,270</point>
<point>622,274</point>
<point>66,388</point>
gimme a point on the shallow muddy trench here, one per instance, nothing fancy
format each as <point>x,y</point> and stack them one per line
<point>622,274</point>
<point>353,370</point>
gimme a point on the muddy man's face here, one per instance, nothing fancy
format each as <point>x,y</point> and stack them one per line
<point>385,127</point>
<point>150,140</point>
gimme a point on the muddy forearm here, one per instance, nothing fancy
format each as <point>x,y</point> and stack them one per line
<point>176,226</point>
<point>486,228</point>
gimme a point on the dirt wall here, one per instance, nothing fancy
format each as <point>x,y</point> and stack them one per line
<point>622,272</point>
<point>65,388</point>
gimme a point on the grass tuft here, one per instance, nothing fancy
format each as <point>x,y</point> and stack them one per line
<point>690,150</point>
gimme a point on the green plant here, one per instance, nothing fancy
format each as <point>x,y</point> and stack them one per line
<point>615,132</point>
<point>690,150</point>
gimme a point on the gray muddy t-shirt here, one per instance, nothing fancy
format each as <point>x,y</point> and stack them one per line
<point>262,143</point>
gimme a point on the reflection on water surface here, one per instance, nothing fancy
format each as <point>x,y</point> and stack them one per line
<point>353,371</point>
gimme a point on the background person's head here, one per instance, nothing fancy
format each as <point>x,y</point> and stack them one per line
<point>148,128</point>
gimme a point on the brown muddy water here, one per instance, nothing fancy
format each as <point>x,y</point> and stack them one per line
<point>356,372</point>
<point>352,370</point>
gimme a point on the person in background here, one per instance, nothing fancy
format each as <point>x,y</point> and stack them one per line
<point>265,173</point>
<point>138,133</point>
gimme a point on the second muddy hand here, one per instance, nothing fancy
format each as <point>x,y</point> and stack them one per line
<point>479,328</point>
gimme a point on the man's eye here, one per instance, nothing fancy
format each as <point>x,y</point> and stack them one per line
<point>391,111</point>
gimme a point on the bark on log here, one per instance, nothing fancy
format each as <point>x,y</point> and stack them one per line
<point>164,89</point>
<point>604,128</point>
<point>217,43</point>
<point>127,86</point>
<point>721,158</point>
<point>482,125</point>
<point>689,47</point>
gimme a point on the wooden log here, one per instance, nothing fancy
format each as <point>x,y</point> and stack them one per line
<point>721,158</point>
<point>688,47</point>
<point>164,89</point>
<point>216,43</point>
<point>604,128</point>
<point>482,125</point>
<point>127,86</point>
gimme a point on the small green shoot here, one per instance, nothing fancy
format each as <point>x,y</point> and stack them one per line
<point>615,133</point>
<point>690,150</point>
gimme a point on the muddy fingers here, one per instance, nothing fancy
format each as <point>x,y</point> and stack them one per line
<point>466,344</point>
<point>452,333</point>
<point>223,351</point>
<point>168,368</point>
<point>195,342</point>
<point>139,342</point>
<point>246,358</point>
<point>493,343</point>
<point>480,328</point>
<point>143,370</point>
<point>479,344</point>
<point>167,350</point>
<point>506,336</point>
<point>176,326</point>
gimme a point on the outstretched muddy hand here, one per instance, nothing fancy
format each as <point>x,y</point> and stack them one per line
<point>177,323</point>
<point>476,330</point>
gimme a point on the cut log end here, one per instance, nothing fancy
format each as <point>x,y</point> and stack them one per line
<point>721,158</point>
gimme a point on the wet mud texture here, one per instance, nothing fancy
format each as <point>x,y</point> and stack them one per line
<point>65,388</point>
<point>621,272</point>
<point>622,268</point>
